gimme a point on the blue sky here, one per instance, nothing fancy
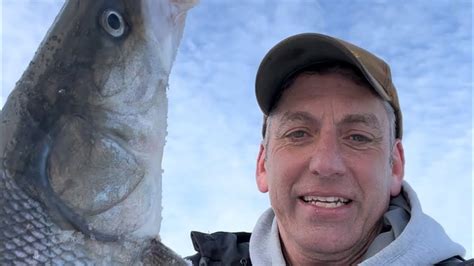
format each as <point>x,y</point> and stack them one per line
<point>214,121</point>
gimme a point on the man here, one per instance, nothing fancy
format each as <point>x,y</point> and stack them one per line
<point>332,162</point>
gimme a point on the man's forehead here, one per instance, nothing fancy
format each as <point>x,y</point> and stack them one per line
<point>311,95</point>
<point>315,93</point>
<point>321,90</point>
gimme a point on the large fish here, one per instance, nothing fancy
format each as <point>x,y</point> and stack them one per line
<point>82,137</point>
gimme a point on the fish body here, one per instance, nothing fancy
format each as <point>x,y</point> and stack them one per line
<point>82,137</point>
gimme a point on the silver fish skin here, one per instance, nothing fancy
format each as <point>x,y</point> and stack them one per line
<point>82,137</point>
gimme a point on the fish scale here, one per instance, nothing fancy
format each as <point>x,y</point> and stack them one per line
<point>26,234</point>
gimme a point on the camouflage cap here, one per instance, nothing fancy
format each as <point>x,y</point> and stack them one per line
<point>302,50</point>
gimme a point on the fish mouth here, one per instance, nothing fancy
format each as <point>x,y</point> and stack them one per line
<point>329,202</point>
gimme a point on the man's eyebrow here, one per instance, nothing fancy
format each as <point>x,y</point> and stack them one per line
<point>369,120</point>
<point>297,116</point>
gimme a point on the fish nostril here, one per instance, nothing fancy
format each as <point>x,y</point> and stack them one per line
<point>113,23</point>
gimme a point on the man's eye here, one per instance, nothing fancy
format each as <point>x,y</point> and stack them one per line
<point>298,134</point>
<point>359,138</point>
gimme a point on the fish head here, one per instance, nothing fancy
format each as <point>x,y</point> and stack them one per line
<point>92,111</point>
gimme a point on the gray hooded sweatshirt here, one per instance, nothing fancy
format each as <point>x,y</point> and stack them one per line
<point>414,238</point>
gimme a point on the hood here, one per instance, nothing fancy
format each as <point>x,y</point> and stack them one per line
<point>422,242</point>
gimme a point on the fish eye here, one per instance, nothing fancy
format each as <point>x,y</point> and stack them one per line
<point>113,23</point>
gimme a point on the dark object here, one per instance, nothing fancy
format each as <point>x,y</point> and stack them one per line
<point>221,248</point>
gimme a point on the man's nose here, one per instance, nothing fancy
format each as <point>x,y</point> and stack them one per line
<point>326,158</point>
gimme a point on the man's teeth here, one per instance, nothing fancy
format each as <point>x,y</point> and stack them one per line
<point>326,202</point>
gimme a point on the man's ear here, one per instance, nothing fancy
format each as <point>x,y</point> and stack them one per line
<point>398,168</point>
<point>261,172</point>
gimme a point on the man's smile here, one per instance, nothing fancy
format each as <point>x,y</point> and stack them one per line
<point>326,202</point>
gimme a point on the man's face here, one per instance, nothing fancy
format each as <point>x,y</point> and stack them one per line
<point>328,165</point>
